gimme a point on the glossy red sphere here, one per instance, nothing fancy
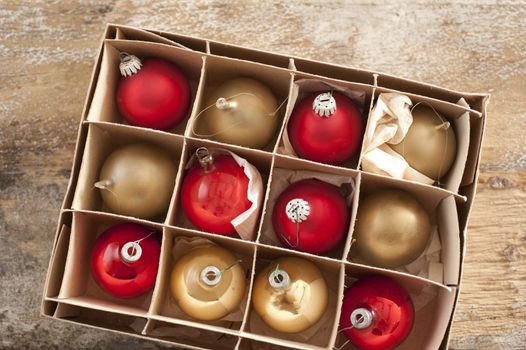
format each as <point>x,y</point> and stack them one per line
<point>326,225</point>
<point>212,198</point>
<point>157,96</point>
<point>332,140</point>
<point>117,276</point>
<point>392,313</point>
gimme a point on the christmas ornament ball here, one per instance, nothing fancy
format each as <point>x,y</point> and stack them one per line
<point>326,128</point>
<point>290,295</point>
<point>153,93</point>
<point>208,283</point>
<point>392,228</point>
<point>242,111</point>
<point>137,180</point>
<point>214,192</point>
<point>311,216</point>
<point>430,145</point>
<point>377,313</point>
<point>125,260</point>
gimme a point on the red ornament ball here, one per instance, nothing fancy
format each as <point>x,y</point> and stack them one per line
<point>157,96</point>
<point>125,260</point>
<point>326,128</point>
<point>215,192</point>
<point>377,313</point>
<point>311,216</point>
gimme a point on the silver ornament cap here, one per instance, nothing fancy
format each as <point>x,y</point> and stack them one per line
<point>129,65</point>
<point>324,104</point>
<point>297,210</point>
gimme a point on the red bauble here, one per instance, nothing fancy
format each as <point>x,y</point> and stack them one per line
<point>157,96</point>
<point>125,259</point>
<point>325,128</point>
<point>311,216</point>
<point>377,313</point>
<point>214,192</point>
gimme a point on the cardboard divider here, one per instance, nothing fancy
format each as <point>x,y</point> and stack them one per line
<point>461,118</point>
<point>100,319</point>
<point>440,260</point>
<point>287,171</point>
<point>178,242</point>
<point>136,34</point>
<point>187,337</point>
<point>58,262</point>
<point>360,94</point>
<point>220,70</point>
<point>318,69</point>
<point>104,105</point>
<point>419,88</point>
<point>433,305</point>
<point>250,344</point>
<point>78,286</point>
<point>246,54</point>
<point>319,335</point>
<point>259,159</point>
<point>104,138</point>
<point>190,42</point>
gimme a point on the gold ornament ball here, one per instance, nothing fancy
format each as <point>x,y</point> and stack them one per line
<point>138,180</point>
<point>392,228</point>
<point>296,306</point>
<point>208,295</point>
<point>430,145</point>
<point>243,112</point>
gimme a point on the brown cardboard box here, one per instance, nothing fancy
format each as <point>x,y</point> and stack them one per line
<point>72,295</point>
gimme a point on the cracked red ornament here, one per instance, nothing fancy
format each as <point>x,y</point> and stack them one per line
<point>153,93</point>
<point>215,192</point>
<point>377,313</point>
<point>311,216</point>
<point>125,260</point>
<point>326,128</point>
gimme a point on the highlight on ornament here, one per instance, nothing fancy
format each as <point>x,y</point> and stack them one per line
<point>290,295</point>
<point>125,260</point>
<point>377,314</point>
<point>215,192</point>
<point>326,127</point>
<point>241,111</point>
<point>152,92</point>
<point>392,228</point>
<point>208,283</point>
<point>311,216</point>
<point>137,180</point>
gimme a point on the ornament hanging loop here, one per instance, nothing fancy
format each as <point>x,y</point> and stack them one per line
<point>129,65</point>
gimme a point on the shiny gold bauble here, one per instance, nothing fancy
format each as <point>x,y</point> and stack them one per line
<point>296,306</point>
<point>138,180</point>
<point>430,145</point>
<point>243,112</point>
<point>208,296</point>
<point>392,228</point>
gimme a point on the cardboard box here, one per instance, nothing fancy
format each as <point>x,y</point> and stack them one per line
<point>72,295</point>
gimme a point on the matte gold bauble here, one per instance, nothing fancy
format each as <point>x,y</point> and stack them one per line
<point>243,112</point>
<point>290,295</point>
<point>208,283</point>
<point>138,180</point>
<point>392,228</point>
<point>430,145</point>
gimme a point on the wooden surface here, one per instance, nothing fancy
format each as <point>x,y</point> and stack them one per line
<point>46,56</point>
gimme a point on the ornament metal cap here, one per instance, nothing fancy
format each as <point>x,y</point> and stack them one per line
<point>361,318</point>
<point>297,210</point>
<point>204,157</point>
<point>210,275</point>
<point>129,65</point>
<point>131,252</point>
<point>279,279</point>
<point>324,104</point>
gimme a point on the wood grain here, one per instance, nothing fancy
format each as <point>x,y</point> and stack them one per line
<point>46,55</point>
